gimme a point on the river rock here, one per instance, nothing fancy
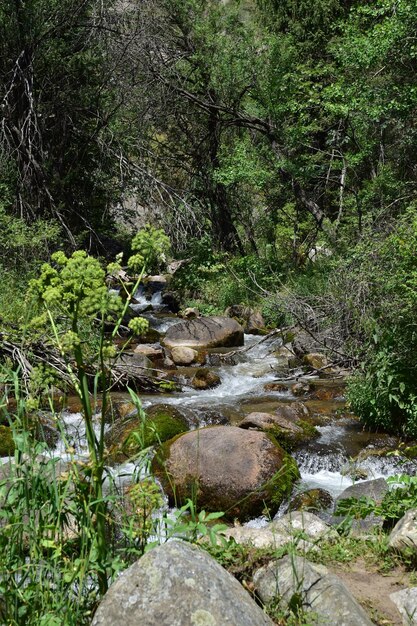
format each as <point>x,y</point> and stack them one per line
<point>271,422</point>
<point>375,489</point>
<point>307,523</point>
<point>323,595</point>
<point>276,387</point>
<point>183,356</point>
<point>130,435</point>
<point>287,433</point>
<point>45,429</point>
<point>256,324</point>
<point>205,332</point>
<point>136,361</point>
<point>300,389</point>
<point>227,469</point>
<point>251,320</point>
<point>311,500</point>
<point>205,379</point>
<point>258,537</point>
<point>315,360</point>
<point>153,353</point>
<point>156,283</point>
<point>284,530</point>
<point>406,602</point>
<point>190,313</point>
<point>177,584</point>
<point>293,412</point>
<point>404,534</point>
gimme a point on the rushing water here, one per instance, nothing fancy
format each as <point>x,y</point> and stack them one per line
<point>324,462</point>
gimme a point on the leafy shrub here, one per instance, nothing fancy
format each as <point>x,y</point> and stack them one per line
<point>212,280</point>
<point>384,391</point>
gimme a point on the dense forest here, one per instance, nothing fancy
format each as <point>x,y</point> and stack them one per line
<point>267,147</point>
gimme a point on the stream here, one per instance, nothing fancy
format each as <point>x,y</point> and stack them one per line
<point>325,462</point>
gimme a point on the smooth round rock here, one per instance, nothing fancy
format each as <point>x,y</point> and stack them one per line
<point>229,469</point>
<point>182,355</point>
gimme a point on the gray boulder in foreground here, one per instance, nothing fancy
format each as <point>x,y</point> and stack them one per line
<point>320,593</point>
<point>406,602</point>
<point>178,584</point>
<point>404,534</point>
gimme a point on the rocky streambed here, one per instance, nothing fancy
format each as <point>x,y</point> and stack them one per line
<point>249,425</point>
<point>232,399</point>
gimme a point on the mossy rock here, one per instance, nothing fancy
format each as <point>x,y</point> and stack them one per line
<point>128,438</point>
<point>150,336</point>
<point>281,485</point>
<point>290,440</point>
<point>311,500</point>
<point>7,445</point>
<point>411,452</point>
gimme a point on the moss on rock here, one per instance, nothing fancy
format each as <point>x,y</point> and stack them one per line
<point>291,439</point>
<point>161,424</point>
<point>7,445</point>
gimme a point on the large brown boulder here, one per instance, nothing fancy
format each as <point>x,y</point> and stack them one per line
<point>225,468</point>
<point>205,332</point>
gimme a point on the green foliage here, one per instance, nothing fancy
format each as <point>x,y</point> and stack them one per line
<point>60,114</point>
<point>153,245</point>
<point>75,288</point>
<point>384,392</point>
<point>212,281</point>
<point>397,501</point>
<point>195,525</point>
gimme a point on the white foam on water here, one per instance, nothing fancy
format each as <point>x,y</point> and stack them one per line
<point>237,382</point>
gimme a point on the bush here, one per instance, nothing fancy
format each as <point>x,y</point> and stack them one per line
<point>384,391</point>
<point>212,280</point>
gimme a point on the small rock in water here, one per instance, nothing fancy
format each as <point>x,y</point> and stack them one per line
<point>311,500</point>
<point>205,379</point>
<point>300,389</point>
<point>183,356</point>
<point>276,387</point>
